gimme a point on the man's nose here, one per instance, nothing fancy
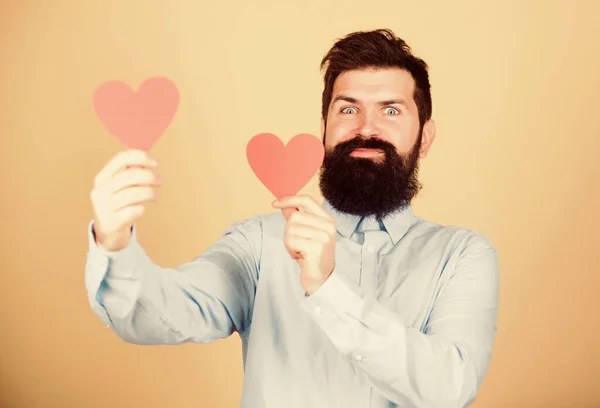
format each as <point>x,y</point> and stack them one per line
<point>367,126</point>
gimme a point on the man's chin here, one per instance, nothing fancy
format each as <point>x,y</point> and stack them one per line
<point>366,191</point>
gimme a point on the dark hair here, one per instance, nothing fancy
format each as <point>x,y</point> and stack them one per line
<point>376,49</point>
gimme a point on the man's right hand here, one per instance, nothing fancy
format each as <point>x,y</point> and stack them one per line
<point>120,191</point>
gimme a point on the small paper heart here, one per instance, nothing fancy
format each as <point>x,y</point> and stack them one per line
<point>138,119</point>
<point>285,170</point>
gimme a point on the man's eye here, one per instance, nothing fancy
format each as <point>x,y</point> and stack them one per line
<point>392,111</point>
<point>346,110</point>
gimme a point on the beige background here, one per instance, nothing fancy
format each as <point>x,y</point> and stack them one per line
<point>516,90</point>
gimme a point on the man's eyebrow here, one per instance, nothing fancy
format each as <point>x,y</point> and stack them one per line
<point>344,98</point>
<point>396,101</point>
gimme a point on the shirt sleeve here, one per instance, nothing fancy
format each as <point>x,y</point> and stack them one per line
<point>199,301</point>
<point>441,366</point>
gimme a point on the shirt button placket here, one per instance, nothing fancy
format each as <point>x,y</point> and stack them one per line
<point>369,262</point>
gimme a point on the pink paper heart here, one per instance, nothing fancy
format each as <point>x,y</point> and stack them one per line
<point>285,170</point>
<point>138,119</point>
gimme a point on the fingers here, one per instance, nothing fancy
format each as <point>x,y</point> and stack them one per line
<point>129,187</point>
<point>303,202</point>
<point>308,224</point>
<point>132,196</point>
<point>133,177</point>
<point>122,188</point>
<point>305,219</point>
<point>121,161</point>
<point>306,232</point>
<point>300,247</point>
<point>129,215</point>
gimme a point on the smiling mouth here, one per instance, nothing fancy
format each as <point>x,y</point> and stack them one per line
<point>366,152</point>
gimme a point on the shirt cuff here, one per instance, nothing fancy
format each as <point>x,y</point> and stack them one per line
<point>337,295</point>
<point>336,307</point>
<point>126,263</point>
<point>95,249</point>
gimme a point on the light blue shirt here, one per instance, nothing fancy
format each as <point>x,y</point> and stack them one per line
<point>406,319</point>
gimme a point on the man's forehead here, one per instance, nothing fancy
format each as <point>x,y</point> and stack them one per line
<point>375,84</point>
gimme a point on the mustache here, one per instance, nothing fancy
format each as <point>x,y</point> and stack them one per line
<point>363,143</point>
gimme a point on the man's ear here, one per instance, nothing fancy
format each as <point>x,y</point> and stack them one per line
<point>428,138</point>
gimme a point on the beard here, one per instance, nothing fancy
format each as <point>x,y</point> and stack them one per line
<point>376,185</point>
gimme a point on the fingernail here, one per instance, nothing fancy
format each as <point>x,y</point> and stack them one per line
<point>275,202</point>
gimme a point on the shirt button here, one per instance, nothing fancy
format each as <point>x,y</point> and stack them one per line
<point>370,248</point>
<point>358,357</point>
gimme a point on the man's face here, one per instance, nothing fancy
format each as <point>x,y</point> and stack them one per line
<point>372,143</point>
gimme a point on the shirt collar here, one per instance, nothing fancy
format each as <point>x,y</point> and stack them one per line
<point>396,224</point>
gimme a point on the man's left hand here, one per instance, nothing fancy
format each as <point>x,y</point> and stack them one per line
<point>309,237</point>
